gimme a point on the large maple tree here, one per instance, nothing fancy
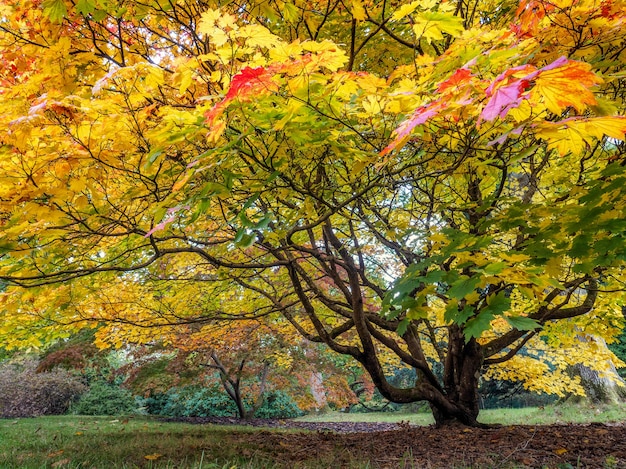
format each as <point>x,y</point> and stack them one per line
<point>438,183</point>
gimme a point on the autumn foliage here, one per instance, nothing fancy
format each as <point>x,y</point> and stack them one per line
<point>437,185</point>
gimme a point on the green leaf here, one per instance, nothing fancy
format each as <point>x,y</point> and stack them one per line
<point>200,209</point>
<point>495,268</point>
<point>154,154</point>
<point>85,7</point>
<point>522,323</point>
<point>463,287</point>
<point>402,327</point>
<point>452,313</point>
<point>263,222</point>
<point>477,325</point>
<point>434,276</point>
<point>7,246</point>
<point>230,178</point>
<point>498,304</point>
<point>244,239</point>
<point>99,15</point>
<point>214,188</point>
<point>55,10</point>
<point>431,25</point>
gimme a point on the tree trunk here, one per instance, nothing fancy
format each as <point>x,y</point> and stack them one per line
<point>461,374</point>
<point>599,389</point>
<point>232,385</point>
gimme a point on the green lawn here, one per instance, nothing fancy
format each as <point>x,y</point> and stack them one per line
<point>142,442</point>
<point>106,442</point>
<point>527,416</point>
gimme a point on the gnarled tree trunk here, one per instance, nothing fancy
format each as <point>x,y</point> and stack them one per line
<point>606,388</point>
<point>461,374</point>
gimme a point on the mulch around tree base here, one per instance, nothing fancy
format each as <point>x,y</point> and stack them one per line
<point>403,445</point>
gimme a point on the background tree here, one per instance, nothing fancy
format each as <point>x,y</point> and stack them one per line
<point>444,187</point>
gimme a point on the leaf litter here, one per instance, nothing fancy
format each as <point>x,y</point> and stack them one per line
<point>388,445</point>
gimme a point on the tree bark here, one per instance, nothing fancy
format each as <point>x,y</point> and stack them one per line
<point>599,389</point>
<point>461,374</point>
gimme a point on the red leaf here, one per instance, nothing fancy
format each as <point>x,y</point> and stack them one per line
<point>248,81</point>
<point>457,80</point>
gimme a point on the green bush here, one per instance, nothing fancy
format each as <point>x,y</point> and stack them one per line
<point>210,402</point>
<point>104,398</point>
<point>277,405</point>
<point>26,393</point>
<point>195,401</point>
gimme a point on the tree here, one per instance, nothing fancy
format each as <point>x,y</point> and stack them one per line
<point>201,336</point>
<point>438,182</point>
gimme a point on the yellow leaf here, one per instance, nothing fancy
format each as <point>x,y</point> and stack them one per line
<point>432,25</point>
<point>575,135</point>
<point>358,10</point>
<point>62,168</point>
<point>334,59</point>
<point>186,79</point>
<point>258,36</point>
<point>153,457</point>
<point>208,20</point>
<point>515,257</point>
<point>598,127</point>
<point>290,12</point>
<point>371,106</point>
<point>405,10</point>
<point>560,451</point>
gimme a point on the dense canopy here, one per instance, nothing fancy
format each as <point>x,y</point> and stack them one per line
<point>436,183</point>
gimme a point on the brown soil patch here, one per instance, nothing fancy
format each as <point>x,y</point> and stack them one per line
<point>341,445</point>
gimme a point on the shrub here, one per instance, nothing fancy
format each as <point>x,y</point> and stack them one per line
<point>277,405</point>
<point>26,393</point>
<point>104,398</point>
<point>209,402</point>
<point>194,401</point>
<point>191,401</point>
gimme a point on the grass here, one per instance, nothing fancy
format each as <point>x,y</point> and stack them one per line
<point>548,415</point>
<point>73,442</point>
<point>137,442</point>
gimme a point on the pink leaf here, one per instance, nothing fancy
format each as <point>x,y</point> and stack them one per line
<point>420,116</point>
<point>504,99</point>
<point>556,64</point>
<point>510,96</point>
<point>170,216</point>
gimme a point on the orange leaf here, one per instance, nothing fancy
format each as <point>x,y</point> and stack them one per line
<point>565,86</point>
<point>61,463</point>
<point>458,80</point>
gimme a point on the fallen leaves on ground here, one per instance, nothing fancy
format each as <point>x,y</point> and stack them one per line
<point>389,445</point>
